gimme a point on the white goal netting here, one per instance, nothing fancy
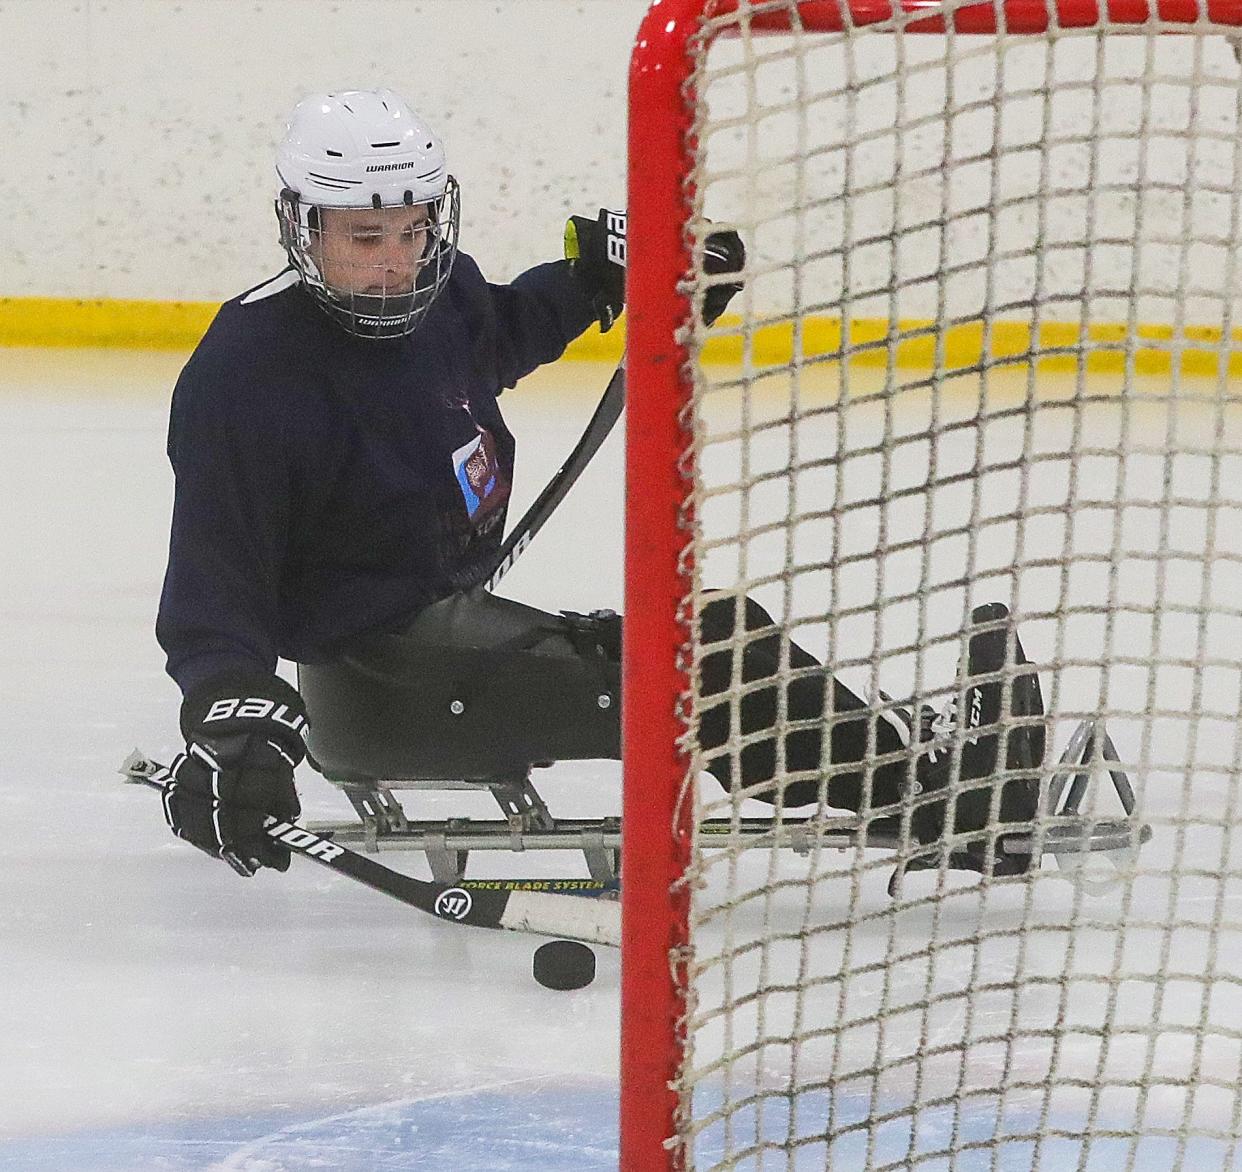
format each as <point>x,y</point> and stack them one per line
<point>985,353</point>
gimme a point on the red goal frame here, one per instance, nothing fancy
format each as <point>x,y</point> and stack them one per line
<point>658,830</point>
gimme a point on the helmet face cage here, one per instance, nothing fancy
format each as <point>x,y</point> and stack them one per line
<point>368,308</point>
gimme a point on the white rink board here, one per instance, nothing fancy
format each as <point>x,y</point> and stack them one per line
<point>152,126</point>
<point>160,120</point>
<point>853,154</point>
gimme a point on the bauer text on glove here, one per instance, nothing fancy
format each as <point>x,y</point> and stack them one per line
<point>244,736</point>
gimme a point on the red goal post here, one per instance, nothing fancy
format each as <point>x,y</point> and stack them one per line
<point>657,811</point>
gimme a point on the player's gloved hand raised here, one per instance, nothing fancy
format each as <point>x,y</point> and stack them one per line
<point>723,254</point>
<point>244,738</point>
<point>597,249</point>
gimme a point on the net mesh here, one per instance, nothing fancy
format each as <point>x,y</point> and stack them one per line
<point>983,355</point>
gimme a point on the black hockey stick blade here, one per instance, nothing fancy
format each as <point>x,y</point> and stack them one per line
<point>607,412</point>
<point>482,904</point>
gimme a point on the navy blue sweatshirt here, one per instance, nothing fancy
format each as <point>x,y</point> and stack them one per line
<point>327,485</point>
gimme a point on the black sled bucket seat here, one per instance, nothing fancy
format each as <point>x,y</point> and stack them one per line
<point>475,688</point>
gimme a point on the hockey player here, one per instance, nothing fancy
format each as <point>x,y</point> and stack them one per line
<point>342,473</point>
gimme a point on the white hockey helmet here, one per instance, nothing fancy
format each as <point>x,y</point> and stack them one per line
<point>359,149</point>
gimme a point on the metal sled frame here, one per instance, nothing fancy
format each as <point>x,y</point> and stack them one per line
<point>1063,832</point>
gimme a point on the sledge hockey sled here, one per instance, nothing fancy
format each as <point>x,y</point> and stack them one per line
<point>1071,829</point>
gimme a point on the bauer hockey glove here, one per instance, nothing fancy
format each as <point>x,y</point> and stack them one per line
<point>597,249</point>
<point>244,738</point>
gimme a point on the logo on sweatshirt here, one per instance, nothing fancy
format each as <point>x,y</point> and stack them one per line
<point>484,486</point>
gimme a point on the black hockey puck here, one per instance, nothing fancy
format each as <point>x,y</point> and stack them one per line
<point>564,964</point>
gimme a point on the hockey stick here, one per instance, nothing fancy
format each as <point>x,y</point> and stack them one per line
<point>718,253</point>
<point>480,903</point>
<point>606,415</point>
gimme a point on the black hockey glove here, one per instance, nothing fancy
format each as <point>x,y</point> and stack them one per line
<point>598,251</point>
<point>244,738</point>
<point>723,253</point>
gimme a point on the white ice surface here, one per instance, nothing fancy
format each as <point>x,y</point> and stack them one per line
<point>149,999</point>
<point>158,1013</point>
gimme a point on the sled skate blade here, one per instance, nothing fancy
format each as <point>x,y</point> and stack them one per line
<point>1093,851</point>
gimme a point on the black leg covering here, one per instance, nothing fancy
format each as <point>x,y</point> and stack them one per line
<point>477,687</point>
<point>805,697</point>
